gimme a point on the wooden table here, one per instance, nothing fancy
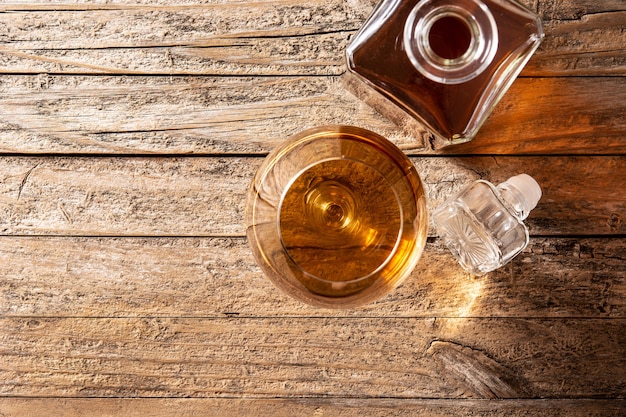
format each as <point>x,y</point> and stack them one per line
<point>129,132</point>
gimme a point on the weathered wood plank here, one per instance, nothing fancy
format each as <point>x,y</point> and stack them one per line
<point>205,196</point>
<point>205,115</point>
<point>572,9</point>
<point>537,115</point>
<point>126,115</point>
<point>137,196</point>
<point>112,277</point>
<point>547,9</point>
<point>277,37</point>
<point>592,44</point>
<point>231,38</point>
<point>350,357</point>
<point>188,407</point>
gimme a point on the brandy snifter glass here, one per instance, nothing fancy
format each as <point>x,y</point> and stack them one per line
<point>336,216</point>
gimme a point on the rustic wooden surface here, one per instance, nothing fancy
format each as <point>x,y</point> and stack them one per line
<point>129,132</point>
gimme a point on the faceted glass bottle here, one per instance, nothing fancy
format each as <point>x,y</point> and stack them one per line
<point>483,225</point>
<point>445,63</point>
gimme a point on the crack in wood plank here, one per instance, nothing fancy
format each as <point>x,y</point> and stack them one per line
<point>25,179</point>
<point>475,373</point>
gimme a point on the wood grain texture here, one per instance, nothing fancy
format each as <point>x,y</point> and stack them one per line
<point>574,44</point>
<point>280,37</point>
<point>277,37</point>
<point>555,115</point>
<point>331,357</point>
<point>129,132</point>
<point>210,115</point>
<point>316,407</point>
<point>218,277</point>
<point>130,115</point>
<point>205,196</point>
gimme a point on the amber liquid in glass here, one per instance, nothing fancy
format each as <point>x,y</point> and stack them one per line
<point>337,216</point>
<point>340,221</point>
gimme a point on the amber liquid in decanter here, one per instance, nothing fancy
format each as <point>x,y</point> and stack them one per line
<point>445,63</point>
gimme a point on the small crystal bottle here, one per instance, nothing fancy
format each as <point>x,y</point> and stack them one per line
<point>483,224</point>
<point>445,63</point>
